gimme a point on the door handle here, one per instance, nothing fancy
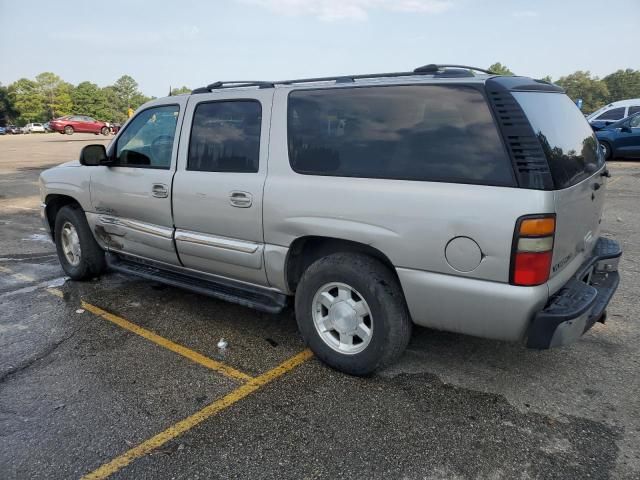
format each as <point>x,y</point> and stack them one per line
<point>160,190</point>
<point>240,199</point>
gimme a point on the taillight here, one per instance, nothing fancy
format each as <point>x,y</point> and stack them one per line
<point>532,249</point>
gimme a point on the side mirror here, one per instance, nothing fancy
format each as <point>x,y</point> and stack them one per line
<point>94,155</point>
<point>625,128</point>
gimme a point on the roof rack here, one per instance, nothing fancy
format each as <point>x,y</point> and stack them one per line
<point>437,68</point>
<point>440,70</point>
<point>233,84</point>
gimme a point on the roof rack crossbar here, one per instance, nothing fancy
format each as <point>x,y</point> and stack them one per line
<point>233,84</point>
<point>436,67</point>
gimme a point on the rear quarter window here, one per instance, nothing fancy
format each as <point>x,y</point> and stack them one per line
<point>412,132</point>
<point>565,136</point>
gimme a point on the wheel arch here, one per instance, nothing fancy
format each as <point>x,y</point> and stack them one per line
<point>303,251</point>
<point>54,202</point>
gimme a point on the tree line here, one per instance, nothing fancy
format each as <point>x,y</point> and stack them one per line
<point>595,92</point>
<point>49,96</point>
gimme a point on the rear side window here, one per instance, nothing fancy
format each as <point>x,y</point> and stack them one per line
<point>565,136</point>
<point>414,132</point>
<point>225,137</point>
<point>613,114</point>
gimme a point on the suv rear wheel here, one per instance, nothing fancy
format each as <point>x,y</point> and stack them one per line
<point>80,255</point>
<point>352,313</point>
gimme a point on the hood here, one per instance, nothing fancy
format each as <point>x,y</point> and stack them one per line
<point>71,163</point>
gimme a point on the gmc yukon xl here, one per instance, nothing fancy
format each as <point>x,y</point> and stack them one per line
<point>460,201</point>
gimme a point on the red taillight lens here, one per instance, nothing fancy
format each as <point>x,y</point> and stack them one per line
<point>532,250</point>
<point>531,268</point>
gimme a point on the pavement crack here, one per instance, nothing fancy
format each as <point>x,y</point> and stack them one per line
<point>37,358</point>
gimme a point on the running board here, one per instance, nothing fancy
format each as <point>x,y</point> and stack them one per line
<point>247,295</point>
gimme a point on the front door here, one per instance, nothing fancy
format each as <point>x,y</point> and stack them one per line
<point>132,199</point>
<point>217,189</point>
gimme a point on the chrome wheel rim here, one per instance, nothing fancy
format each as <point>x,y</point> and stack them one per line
<point>70,243</point>
<point>342,318</point>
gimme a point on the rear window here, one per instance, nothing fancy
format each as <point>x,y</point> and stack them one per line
<point>567,139</point>
<point>414,132</point>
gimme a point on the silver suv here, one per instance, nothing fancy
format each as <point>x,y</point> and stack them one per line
<point>457,201</point>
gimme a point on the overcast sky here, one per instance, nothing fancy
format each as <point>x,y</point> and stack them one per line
<point>184,42</point>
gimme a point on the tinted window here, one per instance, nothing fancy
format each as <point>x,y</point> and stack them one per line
<point>148,138</point>
<point>613,114</point>
<point>225,137</point>
<point>564,134</point>
<point>634,109</point>
<point>635,122</point>
<point>428,132</point>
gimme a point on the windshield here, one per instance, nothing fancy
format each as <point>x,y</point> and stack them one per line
<point>565,136</point>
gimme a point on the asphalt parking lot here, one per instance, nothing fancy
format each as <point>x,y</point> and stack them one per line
<point>124,378</point>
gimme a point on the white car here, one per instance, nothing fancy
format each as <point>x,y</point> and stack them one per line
<point>613,112</point>
<point>33,128</point>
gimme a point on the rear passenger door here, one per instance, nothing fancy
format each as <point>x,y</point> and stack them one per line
<point>217,190</point>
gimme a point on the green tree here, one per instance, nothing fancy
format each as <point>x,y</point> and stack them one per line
<point>126,88</point>
<point>500,69</point>
<point>593,92</point>
<point>127,95</point>
<point>56,94</point>
<point>180,91</point>
<point>27,100</point>
<point>8,112</point>
<point>113,112</point>
<point>89,99</point>
<point>623,84</point>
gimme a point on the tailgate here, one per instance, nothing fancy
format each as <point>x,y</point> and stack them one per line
<point>578,214</point>
<point>576,166</point>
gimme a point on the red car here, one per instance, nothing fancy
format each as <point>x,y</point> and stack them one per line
<point>78,123</point>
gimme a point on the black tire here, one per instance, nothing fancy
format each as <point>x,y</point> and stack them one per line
<point>92,260</point>
<point>606,147</point>
<point>68,130</point>
<point>104,131</point>
<point>378,286</point>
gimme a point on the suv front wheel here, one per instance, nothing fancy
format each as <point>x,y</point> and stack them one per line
<point>352,313</point>
<point>80,255</point>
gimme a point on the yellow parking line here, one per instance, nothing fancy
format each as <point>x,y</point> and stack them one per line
<point>168,344</point>
<point>614,180</point>
<point>55,291</point>
<point>17,276</point>
<point>188,423</point>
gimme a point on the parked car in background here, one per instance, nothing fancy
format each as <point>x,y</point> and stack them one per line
<point>613,112</point>
<point>33,128</point>
<point>621,139</point>
<point>70,124</point>
<point>13,130</point>
<point>3,131</point>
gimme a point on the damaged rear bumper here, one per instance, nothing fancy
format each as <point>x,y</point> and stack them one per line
<point>581,302</point>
